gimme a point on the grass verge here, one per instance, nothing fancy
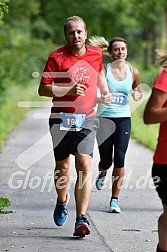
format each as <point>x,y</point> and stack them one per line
<point>10,113</point>
<point>144,134</point>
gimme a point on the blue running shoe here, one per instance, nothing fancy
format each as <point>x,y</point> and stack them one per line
<point>82,226</point>
<point>61,212</point>
<point>100,181</point>
<point>114,206</point>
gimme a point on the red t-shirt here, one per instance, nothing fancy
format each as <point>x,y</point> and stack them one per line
<point>160,156</point>
<point>64,69</point>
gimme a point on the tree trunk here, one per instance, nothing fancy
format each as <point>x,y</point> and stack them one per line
<point>153,46</point>
<point>164,28</point>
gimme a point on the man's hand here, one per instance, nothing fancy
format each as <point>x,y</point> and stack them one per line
<point>77,90</point>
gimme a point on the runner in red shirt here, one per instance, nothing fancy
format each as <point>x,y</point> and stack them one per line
<point>156,112</point>
<point>71,76</point>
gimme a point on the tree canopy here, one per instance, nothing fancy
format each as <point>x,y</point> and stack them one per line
<point>33,28</point>
<point>3,8</point>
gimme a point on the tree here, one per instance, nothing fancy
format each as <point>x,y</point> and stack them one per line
<point>3,8</point>
<point>164,27</point>
<point>147,12</point>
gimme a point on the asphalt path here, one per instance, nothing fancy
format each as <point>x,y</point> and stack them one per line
<point>26,178</point>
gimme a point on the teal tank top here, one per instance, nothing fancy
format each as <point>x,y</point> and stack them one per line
<point>115,86</point>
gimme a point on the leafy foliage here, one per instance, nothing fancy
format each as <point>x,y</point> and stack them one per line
<point>4,202</point>
<point>3,8</point>
<point>34,28</point>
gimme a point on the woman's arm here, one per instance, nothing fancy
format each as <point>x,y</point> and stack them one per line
<point>102,84</point>
<point>154,111</point>
<point>137,91</point>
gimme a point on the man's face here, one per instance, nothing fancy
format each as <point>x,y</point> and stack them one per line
<point>76,35</point>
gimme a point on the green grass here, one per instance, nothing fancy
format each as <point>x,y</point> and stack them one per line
<point>10,113</point>
<point>144,134</point>
<point>4,202</point>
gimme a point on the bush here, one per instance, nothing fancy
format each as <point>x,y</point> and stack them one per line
<point>4,202</point>
<point>21,55</point>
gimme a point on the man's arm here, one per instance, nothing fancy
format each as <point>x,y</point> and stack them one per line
<point>51,90</point>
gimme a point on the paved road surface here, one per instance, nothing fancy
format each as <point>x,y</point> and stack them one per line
<point>26,179</point>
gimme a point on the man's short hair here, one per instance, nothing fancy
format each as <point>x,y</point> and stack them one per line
<point>75,19</point>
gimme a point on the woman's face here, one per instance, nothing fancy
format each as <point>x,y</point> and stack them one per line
<point>118,50</point>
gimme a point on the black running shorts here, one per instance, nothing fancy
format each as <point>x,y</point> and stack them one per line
<point>159,175</point>
<point>69,142</point>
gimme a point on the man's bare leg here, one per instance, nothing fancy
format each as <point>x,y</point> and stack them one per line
<point>61,178</point>
<point>83,183</point>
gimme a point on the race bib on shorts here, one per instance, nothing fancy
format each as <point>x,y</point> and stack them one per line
<point>119,99</point>
<point>72,122</point>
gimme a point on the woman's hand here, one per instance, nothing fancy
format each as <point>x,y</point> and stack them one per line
<point>106,98</point>
<point>137,94</point>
